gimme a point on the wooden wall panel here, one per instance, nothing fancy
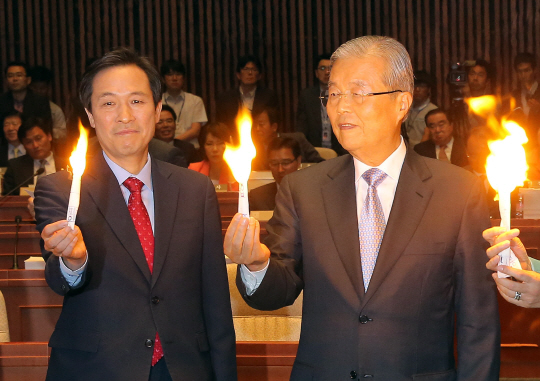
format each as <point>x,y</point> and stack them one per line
<point>209,35</point>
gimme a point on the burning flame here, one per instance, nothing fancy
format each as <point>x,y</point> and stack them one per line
<point>506,166</point>
<point>239,158</point>
<point>78,156</point>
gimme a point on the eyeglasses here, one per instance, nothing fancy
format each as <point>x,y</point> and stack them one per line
<point>357,98</point>
<point>250,70</point>
<point>283,163</point>
<point>324,68</point>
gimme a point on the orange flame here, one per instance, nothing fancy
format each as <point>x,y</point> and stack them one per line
<point>78,156</point>
<point>239,158</point>
<point>506,166</point>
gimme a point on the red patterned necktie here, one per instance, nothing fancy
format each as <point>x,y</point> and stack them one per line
<point>141,220</point>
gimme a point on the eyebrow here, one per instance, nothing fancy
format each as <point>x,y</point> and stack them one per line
<point>109,93</point>
<point>357,82</point>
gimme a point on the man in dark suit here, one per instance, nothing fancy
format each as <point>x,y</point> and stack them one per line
<point>527,94</point>
<point>142,272</point>
<point>10,145</point>
<point>387,252</point>
<point>36,138</point>
<point>21,98</point>
<point>311,117</point>
<point>249,94</point>
<point>266,128</point>
<point>283,158</point>
<point>442,144</point>
<point>165,130</point>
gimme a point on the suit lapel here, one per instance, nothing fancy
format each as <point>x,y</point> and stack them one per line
<point>339,197</point>
<point>99,181</point>
<point>165,208</point>
<point>410,202</point>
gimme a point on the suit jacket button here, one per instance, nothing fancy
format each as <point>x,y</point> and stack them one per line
<point>353,374</point>
<point>149,343</point>
<point>364,319</point>
<point>155,300</point>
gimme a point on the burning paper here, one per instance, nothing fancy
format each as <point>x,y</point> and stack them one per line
<point>239,159</point>
<point>506,166</point>
<point>78,164</point>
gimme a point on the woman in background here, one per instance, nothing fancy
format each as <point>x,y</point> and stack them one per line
<point>212,140</point>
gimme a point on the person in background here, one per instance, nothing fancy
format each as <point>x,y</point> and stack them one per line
<point>415,124</point>
<point>37,141</point>
<point>41,85</point>
<point>311,117</point>
<point>19,97</point>
<point>266,127</point>
<point>212,141</point>
<point>527,94</point>
<point>442,144</point>
<point>165,131</point>
<point>11,147</point>
<point>189,108</point>
<point>249,93</point>
<point>283,158</point>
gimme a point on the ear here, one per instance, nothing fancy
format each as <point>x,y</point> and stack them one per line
<point>158,111</point>
<point>274,127</point>
<point>90,118</point>
<point>404,101</point>
<point>238,75</point>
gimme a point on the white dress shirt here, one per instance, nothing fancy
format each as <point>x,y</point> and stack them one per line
<point>189,109</point>
<point>386,192</point>
<point>11,151</point>
<point>49,165</point>
<point>73,277</point>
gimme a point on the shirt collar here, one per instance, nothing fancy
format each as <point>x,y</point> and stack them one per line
<point>168,97</point>
<point>249,94</point>
<point>391,166</point>
<point>423,105</point>
<point>145,175</point>
<point>449,144</point>
<point>48,160</point>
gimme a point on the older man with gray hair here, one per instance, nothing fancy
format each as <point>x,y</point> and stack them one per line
<point>388,254</point>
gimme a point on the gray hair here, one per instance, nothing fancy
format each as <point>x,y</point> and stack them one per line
<point>398,74</point>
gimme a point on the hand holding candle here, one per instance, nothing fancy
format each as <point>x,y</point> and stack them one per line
<point>506,166</point>
<point>78,164</point>
<point>239,159</point>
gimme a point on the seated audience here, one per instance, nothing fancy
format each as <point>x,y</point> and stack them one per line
<point>189,108</point>
<point>36,138</point>
<point>265,128</point>
<point>11,147</point>
<point>441,144</point>
<point>165,131</point>
<point>249,94</point>
<point>311,117</point>
<point>212,147</point>
<point>415,125</point>
<point>283,158</point>
<point>41,85</point>
<point>19,97</point>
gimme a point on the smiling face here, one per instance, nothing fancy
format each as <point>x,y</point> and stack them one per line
<point>11,126</point>
<point>165,127</point>
<point>370,128</point>
<point>123,113</point>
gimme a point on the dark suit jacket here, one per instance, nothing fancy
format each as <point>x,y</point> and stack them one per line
<point>188,151</point>
<point>263,197</point>
<point>308,119</point>
<point>229,102</point>
<point>430,273</point>
<point>530,123</point>
<point>458,156</point>
<point>106,320</point>
<point>21,169</point>
<point>4,148</point>
<point>34,105</point>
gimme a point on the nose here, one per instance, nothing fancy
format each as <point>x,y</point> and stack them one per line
<point>124,114</point>
<point>343,105</point>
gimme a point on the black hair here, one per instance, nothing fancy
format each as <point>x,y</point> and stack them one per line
<point>278,143</point>
<point>172,66</point>
<point>169,109</point>
<point>244,60</point>
<point>30,123</point>
<point>525,58</point>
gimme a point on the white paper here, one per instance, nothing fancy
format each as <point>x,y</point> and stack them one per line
<point>74,199</point>
<point>506,257</point>
<point>243,201</point>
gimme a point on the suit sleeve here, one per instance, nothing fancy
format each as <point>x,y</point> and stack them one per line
<point>177,157</point>
<point>478,329</point>
<point>216,299</point>
<point>50,203</point>
<point>283,281</point>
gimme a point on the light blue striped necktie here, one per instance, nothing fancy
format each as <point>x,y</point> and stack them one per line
<point>371,225</point>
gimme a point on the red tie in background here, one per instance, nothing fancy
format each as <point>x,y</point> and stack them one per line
<point>141,220</point>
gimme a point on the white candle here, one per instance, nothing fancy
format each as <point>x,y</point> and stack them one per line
<point>243,201</point>
<point>74,200</point>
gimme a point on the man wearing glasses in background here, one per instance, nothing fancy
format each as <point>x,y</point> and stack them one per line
<point>249,93</point>
<point>311,118</point>
<point>388,254</point>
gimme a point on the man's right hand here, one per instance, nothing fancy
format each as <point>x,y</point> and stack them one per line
<point>65,242</point>
<point>242,243</point>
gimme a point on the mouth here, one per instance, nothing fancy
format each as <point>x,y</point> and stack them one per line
<point>126,132</point>
<point>347,126</point>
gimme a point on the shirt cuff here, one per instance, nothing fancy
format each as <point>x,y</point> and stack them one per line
<point>252,279</point>
<point>535,264</point>
<point>73,277</point>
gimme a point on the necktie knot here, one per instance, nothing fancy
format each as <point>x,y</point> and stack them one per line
<point>133,184</point>
<point>374,177</point>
